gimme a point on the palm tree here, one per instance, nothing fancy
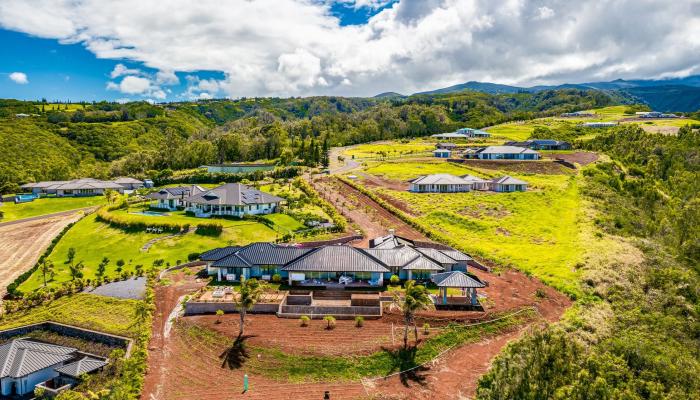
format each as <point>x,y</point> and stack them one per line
<point>46,267</point>
<point>415,298</point>
<point>249,294</point>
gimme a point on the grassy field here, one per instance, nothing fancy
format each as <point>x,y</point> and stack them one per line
<point>94,240</point>
<point>537,231</point>
<point>45,206</point>
<point>89,311</point>
<point>411,169</point>
<point>389,149</point>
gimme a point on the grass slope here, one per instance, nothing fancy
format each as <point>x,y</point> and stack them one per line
<point>46,206</point>
<point>89,311</point>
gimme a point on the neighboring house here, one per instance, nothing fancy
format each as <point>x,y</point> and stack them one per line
<point>442,153</point>
<point>507,184</point>
<point>446,146</point>
<point>476,182</point>
<point>598,124</point>
<point>542,144</point>
<point>129,183</point>
<point>578,114</point>
<point>232,199</point>
<point>26,363</point>
<point>74,188</point>
<point>655,114</point>
<point>503,153</point>
<point>321,265</point>
<point>463,133</point>
<point>439,183</point>
<point>173,198</point>
<point>237,168</point>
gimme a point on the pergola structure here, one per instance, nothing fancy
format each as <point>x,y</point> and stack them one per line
<point>458,279</point>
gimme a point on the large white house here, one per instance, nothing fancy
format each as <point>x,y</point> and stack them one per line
<point>440,183</point>
<point>507,184</point>
<point>232,199</point>
<point>174,197</point>
<point>504,153</point>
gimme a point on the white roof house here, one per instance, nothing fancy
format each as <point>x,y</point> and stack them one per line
<point>505,153</point>
<point>507,184</point>
<point>440,183</point>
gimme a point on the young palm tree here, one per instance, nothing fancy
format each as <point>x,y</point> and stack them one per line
<point>249,294</point>
<point>415,298</point>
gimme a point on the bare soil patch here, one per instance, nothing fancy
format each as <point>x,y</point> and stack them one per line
<point>581,157</point>
<point>23,242</point>
<point>533,167</point>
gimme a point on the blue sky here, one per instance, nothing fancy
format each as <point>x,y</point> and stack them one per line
<point>182,49</point>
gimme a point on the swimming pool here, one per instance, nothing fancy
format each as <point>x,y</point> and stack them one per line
<point>151,213</point>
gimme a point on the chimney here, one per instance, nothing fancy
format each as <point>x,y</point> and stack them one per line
<point>392,231</point>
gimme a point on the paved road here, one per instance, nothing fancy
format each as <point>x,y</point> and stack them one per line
<point>38,217</point>
<point>341,167</point>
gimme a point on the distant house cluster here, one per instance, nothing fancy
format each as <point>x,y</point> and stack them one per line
<point>463,133</point>
<point>502,153</point>
<point>84,187</point>
<point>654,114</point>
<point>578,114</point>
<point>231,199</point>
<point>448,183</point>
<point>542,144</point>
<point>598,124</point>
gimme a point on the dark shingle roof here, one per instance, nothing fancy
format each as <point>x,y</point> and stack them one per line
<point>233,194</point>
<point>258,254</point>
<point>218,254</point>
<point>178,192</point>
<point>456,279</point>
<point>21,357</point>
<point>83,366</point>
<point>336,258</point>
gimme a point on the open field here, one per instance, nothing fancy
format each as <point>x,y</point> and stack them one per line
<point>88,311</point>
<point>390,149</point>
<point>22,243</point>
<point>46,206</point>
<point>94,240</point>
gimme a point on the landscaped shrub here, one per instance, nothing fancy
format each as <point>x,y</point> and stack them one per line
<point>192,257</point>
<point>304,320</point>
<point>330,321</point>
<point>219,314</point>
<point>426,328</point>
<point>209,229</point>
<point>359,321</point>
<point>394,280</point>
<point>276,278</point>
<point>137,224</point>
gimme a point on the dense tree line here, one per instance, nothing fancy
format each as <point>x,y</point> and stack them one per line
<point>636,334</point>
<point>111,139</point>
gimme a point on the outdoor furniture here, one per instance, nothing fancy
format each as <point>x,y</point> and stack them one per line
<point>228,290</point>
<point>218,293</point>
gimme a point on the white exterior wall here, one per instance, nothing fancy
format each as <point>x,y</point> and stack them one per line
<point>235,211</point>
<point>437,188</point>
<point>26,384</point>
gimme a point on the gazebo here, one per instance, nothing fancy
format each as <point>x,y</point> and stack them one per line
<point>457,279</point>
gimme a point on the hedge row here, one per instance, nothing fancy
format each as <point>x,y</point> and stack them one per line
<point>209,229</point>
<point>340,222</point>
<point>126,223</point>
<point>205,177</point>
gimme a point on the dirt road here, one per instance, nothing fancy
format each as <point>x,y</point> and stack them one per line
<point>22,242</point>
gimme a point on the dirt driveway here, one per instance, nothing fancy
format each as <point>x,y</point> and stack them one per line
<point>23,242</point>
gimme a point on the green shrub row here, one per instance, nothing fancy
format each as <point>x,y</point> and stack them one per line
<point>340,222</point>
<point>126,223</point>
<point>209,229</point>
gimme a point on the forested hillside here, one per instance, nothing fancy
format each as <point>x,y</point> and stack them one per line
<point>61,141</point>
<point>636,334</point>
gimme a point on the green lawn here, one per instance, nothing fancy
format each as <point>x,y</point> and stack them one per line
<point>94,240</point>
<point>411,169</point>
<point>45,206</point>
<point>89,311</point>
<point>389,149</point>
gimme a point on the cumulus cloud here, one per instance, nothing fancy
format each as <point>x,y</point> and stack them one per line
<point>19,78</point>
<point>121,69</point>
<point>136,85</point>
<point>297,47</point>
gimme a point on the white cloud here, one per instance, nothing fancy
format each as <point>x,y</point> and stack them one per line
<point>134,85</point>
<point>19,78</point>
<point>121,69</point>
<point>297,47</point>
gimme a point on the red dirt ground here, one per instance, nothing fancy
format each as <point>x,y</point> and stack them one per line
<point>580,157</point>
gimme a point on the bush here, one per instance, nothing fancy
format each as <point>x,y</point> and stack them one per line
<point>129,224</point>
<point>209,229</point>
<point>359,321</point>
<point>193,257</point>
<point>219,313</point>
<point>276,278</point>
<point>426,328</point>
<point>394,280</point>
<point>330,321</point>
<point>304,320</point>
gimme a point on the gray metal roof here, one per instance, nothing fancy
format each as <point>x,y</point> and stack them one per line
<point>472,179</point>
<point>436,255</point>
<point>508,180</point>
<point>506,150</point>
<point>394,257</point>
<point>423,263</point>
<point>336,259</point>
<point>178,192</point>
<point>456,279</point>
<point>218,254</point>
<point>21,357</point>
<point>259,254</point>
<point>83,366</point>
<point>440,179</point>
<point>127,180</point>
<point>233,194</point>
<point>456,255</point>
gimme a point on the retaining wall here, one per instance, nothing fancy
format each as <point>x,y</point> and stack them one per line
<point>199,307</point>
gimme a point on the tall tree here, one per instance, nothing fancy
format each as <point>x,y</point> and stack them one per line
<point>414,299</point>
<point>248,295</point>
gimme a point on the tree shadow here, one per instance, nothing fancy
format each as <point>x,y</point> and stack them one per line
<point>404,359</point>
<point>235,356</point>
